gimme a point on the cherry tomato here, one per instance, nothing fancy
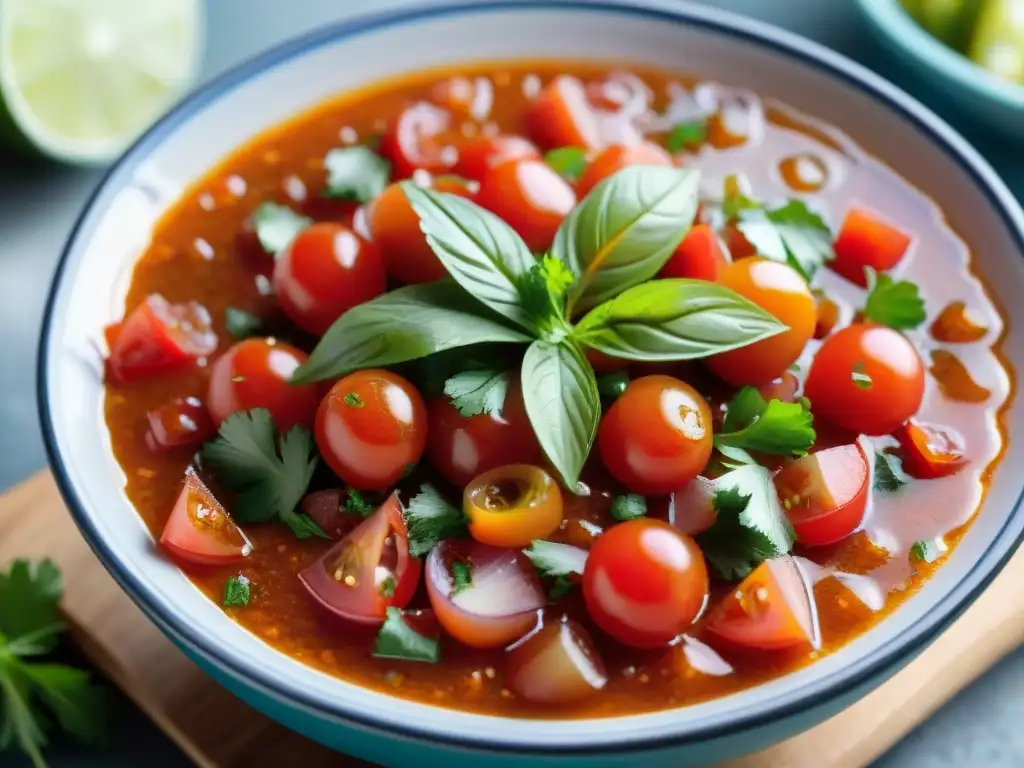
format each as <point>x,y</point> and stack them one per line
<point>180,423</point>
<point>780,290</point>
<point>513,505</point>
<point>645,583</point>
<point>827,316</point>
<point>825,493</point>
<point>256,373</point>
<point>772,609</point>
<point>866,378</point>
<point>370,428</point>
<point>562,116</point>
<point>395,229</point>
<point>461,447</point>
<point>931,451</point>
<point>477,156</point>
<point>158,338</point>
<point>327,510</point>
<point>420,138</point>
<point>325,271</point>
<point>200,531</point>
<point>867,241</point>
<point>530,196</point>
<point>557,664</point>
<point>369,570</point>
<point>615,158</point>
<point>698,257</point>
<point>656,437</point>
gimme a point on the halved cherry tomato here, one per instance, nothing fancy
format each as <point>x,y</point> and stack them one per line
<point>772,609</point>
<point>497,599</point>
<point>370,428</point>
<point>556,664</point>
<point>825,493</point>
<point>866,378</point>
<point>158,338</point>
<point>617,157</point>
<point>395,229</point>
<point>867,241</point>
<point>200,531</point>
<point>461,447</point>
<point>513,505</point>
<point>478,155</point>
<point>181,423</point>
<point>325,271</point>
<point>780,290</point>
<point>930,451</point>
<point>645,583</point>
<point>562,116</point>
<point>530,196</point>
<point>698,257</point>
<point>367,571</point>
<point>256,373</point>
<point>418,140</point>
<point>656,437</point>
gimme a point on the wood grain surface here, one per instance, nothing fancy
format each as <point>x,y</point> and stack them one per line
<point>217,730</point>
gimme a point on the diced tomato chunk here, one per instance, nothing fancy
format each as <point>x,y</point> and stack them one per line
<point>931,451</point>
<point>562,116</point>
<point>181,423</point>
<point>698,257</point>
<point>867,241</point>
<point>158,338</point>
<point>200,531</point>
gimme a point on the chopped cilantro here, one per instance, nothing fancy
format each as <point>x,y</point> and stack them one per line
<point>387,588</point>
<point>568,162</point>
<point>35,694</point>
<point>397,640</point>
<point>751,423</point>
<point>462,577</point>
<point>928,551</point>
<point>355,173</point>
<point>560,587</point>
<point>241,324</point>
<point>629,506</point>
<point>553,559</point>
<point>430,518</point>
<point>611,385</point>
<point>750,525</point>
<point>734,458</point>
<point>889,476</point>
<point>688,135</point>
<point>479,391</point>
<point>859,376</point>
<point>277,225</point>
<point>356,504</point>
<point>269,474</point>
<point>792,233</point>
<point>236,591</point>
<point>895,304</point>
<point>542,292</point>
<point>353,399</point>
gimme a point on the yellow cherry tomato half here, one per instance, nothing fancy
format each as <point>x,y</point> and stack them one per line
<point>513,505</point>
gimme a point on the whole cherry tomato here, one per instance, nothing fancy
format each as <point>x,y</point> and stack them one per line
<point>530,196</point>
<point>421,138</point>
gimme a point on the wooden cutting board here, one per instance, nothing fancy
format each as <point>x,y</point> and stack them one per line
<point>218,731</point>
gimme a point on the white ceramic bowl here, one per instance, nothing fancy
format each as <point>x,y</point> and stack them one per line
<point>89,289</point>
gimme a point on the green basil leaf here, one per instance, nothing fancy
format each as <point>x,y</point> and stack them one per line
<point>563,405</point>
<point>675,319</point>
<point>480,251</point>
<point>567,162</point>
<point>355,173</point>
<point>277,225</point>
<point>405,324</point>
<point>625,230</point>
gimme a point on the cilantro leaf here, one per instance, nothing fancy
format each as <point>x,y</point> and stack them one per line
<point>397,640</point>
<point>356,504</point>
<point>355,173</point>
<point>629,506</point>
<point>430,519</point>
<point>245,457</point>
<point>688,135</point>
<point>353,400</point>
<point>553,559</point>
<point>561,587</point>
<point>929,550</point>
<point>889,476</point>
<point>860,377</point>
<point>277,225</point>
<point>750,526</point>
<point>29,604</point>
<point>236,591</point>
<point>895,304</point>
<point>478,391</point>
<point>387,587</point>
<point>462,577</point>
<point>792,234</point>
<point>80,707</point>
<point>543,290</point>
<point>783,429</point>
<point>241,324</point>
<point>734,457</point>
<point>567,162</point>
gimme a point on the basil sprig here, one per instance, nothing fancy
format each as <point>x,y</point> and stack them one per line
<point>604,254</point>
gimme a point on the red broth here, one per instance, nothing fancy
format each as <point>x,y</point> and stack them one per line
<point>200,252</point>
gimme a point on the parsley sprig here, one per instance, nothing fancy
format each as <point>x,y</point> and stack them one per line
<point>430,518</point>
<point>561,564</point>
<point>475,392</point>
<point>754,424</point>
<point>897,304</point>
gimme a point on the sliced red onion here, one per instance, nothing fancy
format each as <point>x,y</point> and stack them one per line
<point>799,593</point>
<point>556,664</point>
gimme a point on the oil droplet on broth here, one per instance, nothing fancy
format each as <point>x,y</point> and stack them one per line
<point>804,172</point>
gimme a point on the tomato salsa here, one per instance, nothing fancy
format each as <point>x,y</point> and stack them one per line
<point>550,388</point>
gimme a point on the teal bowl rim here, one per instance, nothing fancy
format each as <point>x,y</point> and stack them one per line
<point>893,21</point>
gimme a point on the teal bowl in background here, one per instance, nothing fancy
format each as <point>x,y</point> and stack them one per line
<point>982,96</point>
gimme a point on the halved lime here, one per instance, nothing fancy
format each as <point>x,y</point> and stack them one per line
<point>79,79</point>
